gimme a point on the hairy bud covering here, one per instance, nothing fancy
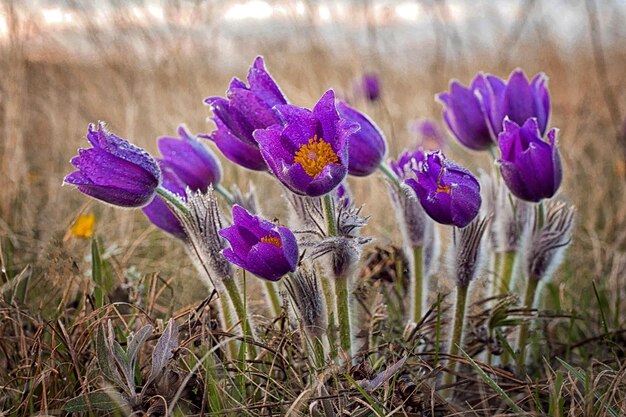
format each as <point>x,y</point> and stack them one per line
<point>304,289</point>
<point>549,239</point>
<point>467,255</point>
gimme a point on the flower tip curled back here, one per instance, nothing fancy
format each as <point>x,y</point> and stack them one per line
<point>115,171</point>
<point>259,246</point>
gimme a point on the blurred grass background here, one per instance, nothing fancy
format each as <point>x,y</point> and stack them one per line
<point>145,66</point>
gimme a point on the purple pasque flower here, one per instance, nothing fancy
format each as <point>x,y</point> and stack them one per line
<point>429,134</point>
<point>191,160</point>
<point>115,171</point>
<point>407,161</point>
<point>245,109</point>
<point>368,86</point>
<point>530,167</point>
<point>464,116</point>
<point>259,246</point>
<point>367,146</point>
<point>517,99</point>
<point>158,212</point>
<point>308,153</point>
<point>449,193</point>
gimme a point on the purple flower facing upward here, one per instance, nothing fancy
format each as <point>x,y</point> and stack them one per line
<point>158,212</point>
<point>367,147</point>
<point>245,109</point>
<point>309,152</point>
<point>464,115</point>
<point>530,167</point>
<point>449,193</point>
<point>114,171</point>
<point>368,86</point>
<point>516,99</point>
<point>259,246</point>
<point>191,160</point>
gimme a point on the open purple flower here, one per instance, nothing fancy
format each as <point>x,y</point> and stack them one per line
<point>449,193</point>
<point>245,109</point>
<point>530,167</point>
<point>259,246</point>
<point>191,160</point>
<point>516,99</point>
<point>115,171</point>
<point>158,212</point>
<point>464,114</point>
<point>367,146</point>
<point>309,153</point>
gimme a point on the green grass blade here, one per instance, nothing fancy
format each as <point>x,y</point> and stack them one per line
<point>583,378</point>
<point>493,384</point>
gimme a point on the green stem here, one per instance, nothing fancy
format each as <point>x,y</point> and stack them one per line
<point>417,285</point>
<point>272,294</point>
<point>508,262</point>
<point>173,199</point>
<point>389,173</point>
<point>343,314</point>
<point>240,310</point>
<point>497,276</point>
<point>224,193</point>
<point>457,329</point>
<point>529,298</point>
<point>342,292</point>
<point>227,323</point>
<point>329,212</point>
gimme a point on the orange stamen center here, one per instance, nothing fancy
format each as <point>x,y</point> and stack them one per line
<point>315,155</point>
<point>444,188</point>
<point>272,240</point>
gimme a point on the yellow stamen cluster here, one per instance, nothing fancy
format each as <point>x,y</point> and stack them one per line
<point>272,240</point>
<point>315,155</point>
<point>444,188</point>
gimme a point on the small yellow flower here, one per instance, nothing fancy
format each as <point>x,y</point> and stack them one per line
<point>83,226</point>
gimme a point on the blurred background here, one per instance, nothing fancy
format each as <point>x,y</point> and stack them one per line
<point>145,66</point>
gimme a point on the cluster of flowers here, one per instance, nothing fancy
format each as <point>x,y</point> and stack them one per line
<point>311,151</point>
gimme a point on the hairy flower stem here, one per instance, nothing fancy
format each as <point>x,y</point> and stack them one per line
<point>228,323</point>
<point>172,198</point>
<point>329,212</point>
<point>497,276</point>
<point>417,285</point>
<point>271,290</point>
<point>224,193</point>
<point>343,314</point>
<point>240,309</point>
<point>508,262</point>
<point>457,329</point>
<point>529,298</point>
<point>342,291</point>
<point>389,173</point>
